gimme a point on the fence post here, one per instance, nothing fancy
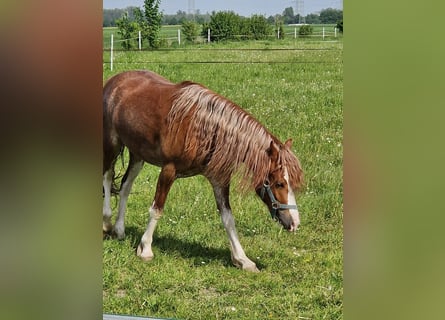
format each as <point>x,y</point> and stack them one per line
<point>140,41</point>
<point>295,33</point>
<point>335,32</point>
<point>179,36</point>
<point>111,56</point>
<point>323,33</point>
<point>278,33</point>
<point>208,35</point>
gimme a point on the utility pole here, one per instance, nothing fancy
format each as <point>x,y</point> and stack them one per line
<point>191,7</point>
<point>300,11</point>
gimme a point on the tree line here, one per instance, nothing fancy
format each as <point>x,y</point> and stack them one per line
<point>326,16</point>
<point>224,25</point>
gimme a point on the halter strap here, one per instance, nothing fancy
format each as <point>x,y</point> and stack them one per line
<point>276,205</point>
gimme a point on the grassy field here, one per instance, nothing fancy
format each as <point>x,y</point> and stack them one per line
<point>296,92</point>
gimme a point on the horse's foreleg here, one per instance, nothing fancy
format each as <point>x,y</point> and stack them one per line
<point>239,257</point>
<point>106,210</point>
<point>134,167</point>
<point>165,181</point>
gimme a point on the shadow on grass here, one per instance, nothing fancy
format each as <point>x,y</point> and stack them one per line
<point>192,250</point>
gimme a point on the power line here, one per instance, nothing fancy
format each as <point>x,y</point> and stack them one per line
<point>191,7</point>
<point>300,11</point>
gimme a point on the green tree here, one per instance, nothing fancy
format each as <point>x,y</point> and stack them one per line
<point>153,19</point>
<point>204,30</point>
<point>180,16</point>
<point>127,29</point>
<point>330,15</point>
<point>110,16</point>
<point>313,19</point>
<point>226,25</point>
<point>288,15</point>
<point>340,25</point>
<point>245,30</point>
<point>149,21</point>
<point>223,25</point>
<point>259,27</point>
<point>190,29</point>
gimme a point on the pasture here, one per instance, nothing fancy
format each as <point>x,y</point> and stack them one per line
<point>295,89</point>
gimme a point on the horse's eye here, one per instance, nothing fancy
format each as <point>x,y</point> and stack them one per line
<point>279,185</point>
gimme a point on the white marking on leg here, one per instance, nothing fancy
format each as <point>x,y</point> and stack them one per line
<point>144,249</point>
<point>119,226</point>
<point>291,201</point>
<point>239,257</point>
<point>106,210</point>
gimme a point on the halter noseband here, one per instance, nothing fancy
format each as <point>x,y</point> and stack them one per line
<point>276,205</point>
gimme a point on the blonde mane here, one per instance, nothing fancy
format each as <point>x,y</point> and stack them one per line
<point>226,138</point>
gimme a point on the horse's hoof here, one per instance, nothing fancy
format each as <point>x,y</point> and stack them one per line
<point>146,257</point>
<point>119,230</point>
<point>251,268</point>
<point>118,235</point>
<point>248,265</point>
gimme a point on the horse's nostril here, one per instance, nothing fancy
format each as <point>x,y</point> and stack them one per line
<point>294,226</point>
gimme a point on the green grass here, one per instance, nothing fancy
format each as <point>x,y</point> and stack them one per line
<point>297,94</point>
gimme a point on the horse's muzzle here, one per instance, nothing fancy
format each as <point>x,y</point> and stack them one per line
<point>286,220</point>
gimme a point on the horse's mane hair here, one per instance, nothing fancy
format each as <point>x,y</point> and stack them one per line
<point>226,138</point>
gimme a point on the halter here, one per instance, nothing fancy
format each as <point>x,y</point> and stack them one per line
<point>276,205</point>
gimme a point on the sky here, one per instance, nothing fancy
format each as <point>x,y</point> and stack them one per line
<point>242,7</point>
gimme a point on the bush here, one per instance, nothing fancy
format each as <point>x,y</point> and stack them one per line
<point>340,25</point>
<point>204,30</point>
<point>223,25</point>
<point>226,25</point>
<point>259,27</point>
<point>190,29</point>
<point>127,29</point>
<point>305,30</point>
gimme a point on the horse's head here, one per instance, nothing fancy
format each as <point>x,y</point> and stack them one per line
<point>276,191</point>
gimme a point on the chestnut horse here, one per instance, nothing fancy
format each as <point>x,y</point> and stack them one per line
<point>186,129</point>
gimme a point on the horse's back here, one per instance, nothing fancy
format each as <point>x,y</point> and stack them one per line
<point>133,79</point>
<point>135,88</point>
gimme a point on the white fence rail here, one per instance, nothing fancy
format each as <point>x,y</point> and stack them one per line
<point>323,34</point>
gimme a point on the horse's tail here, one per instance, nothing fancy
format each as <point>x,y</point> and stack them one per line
<point>115,186</point>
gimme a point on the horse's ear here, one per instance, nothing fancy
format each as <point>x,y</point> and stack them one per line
<point>288,143</point>
<point>273,151</point>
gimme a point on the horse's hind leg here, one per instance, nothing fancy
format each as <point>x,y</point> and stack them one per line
<point>106,211</point>
<point>134,167</point>
<point>110,153</point>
